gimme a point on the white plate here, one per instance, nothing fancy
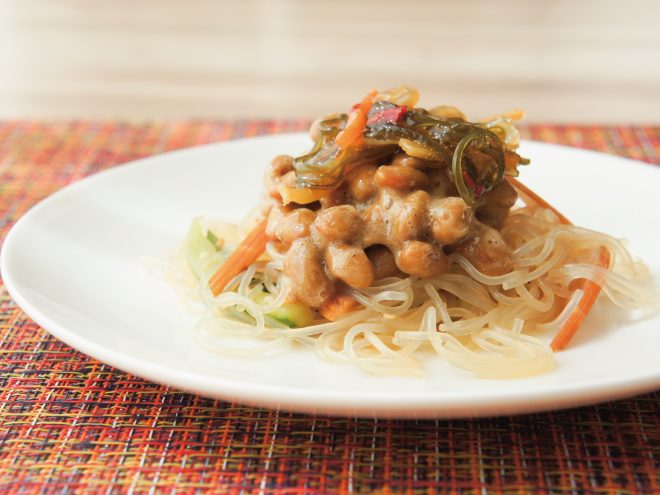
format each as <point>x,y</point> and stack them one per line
<point>73,263</point>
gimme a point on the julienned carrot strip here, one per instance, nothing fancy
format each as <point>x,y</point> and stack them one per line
<point>357,120</point>
<point>368,101</point>
<point>247,252</point>
<point>590,293</point>
<point>590,289</point>
<point>338,306</point>
<point>353,130</point>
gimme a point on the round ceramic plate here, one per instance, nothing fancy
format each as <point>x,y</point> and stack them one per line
<point>74,264</point>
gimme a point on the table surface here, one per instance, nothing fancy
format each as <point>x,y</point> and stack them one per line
<point>561,60</point>
<point>70,424</point>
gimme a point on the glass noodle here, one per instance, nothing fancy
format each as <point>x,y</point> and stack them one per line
<point>493,326</point>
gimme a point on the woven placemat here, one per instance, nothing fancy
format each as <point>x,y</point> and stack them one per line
<point>70,424</point>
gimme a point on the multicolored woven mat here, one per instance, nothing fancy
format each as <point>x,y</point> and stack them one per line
<point>70,424</point>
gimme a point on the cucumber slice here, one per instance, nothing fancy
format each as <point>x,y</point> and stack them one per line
<point>293,315</point>
<point>201,251</point>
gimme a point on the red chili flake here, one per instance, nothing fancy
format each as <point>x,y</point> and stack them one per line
<point>468,179</point>
<point>388,115</point>
<point>477,188</point>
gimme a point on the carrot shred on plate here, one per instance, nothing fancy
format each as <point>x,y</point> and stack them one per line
<point>247,252</point>
<point>590,289</point>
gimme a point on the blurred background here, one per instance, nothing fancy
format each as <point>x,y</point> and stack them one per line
<point>562,61</point>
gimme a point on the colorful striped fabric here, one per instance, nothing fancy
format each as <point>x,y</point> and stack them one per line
<point>70,424</point>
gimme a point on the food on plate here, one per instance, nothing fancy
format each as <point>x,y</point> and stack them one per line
<point>402,231</point>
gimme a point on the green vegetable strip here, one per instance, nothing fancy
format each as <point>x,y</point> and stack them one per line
<point>323,167</point>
